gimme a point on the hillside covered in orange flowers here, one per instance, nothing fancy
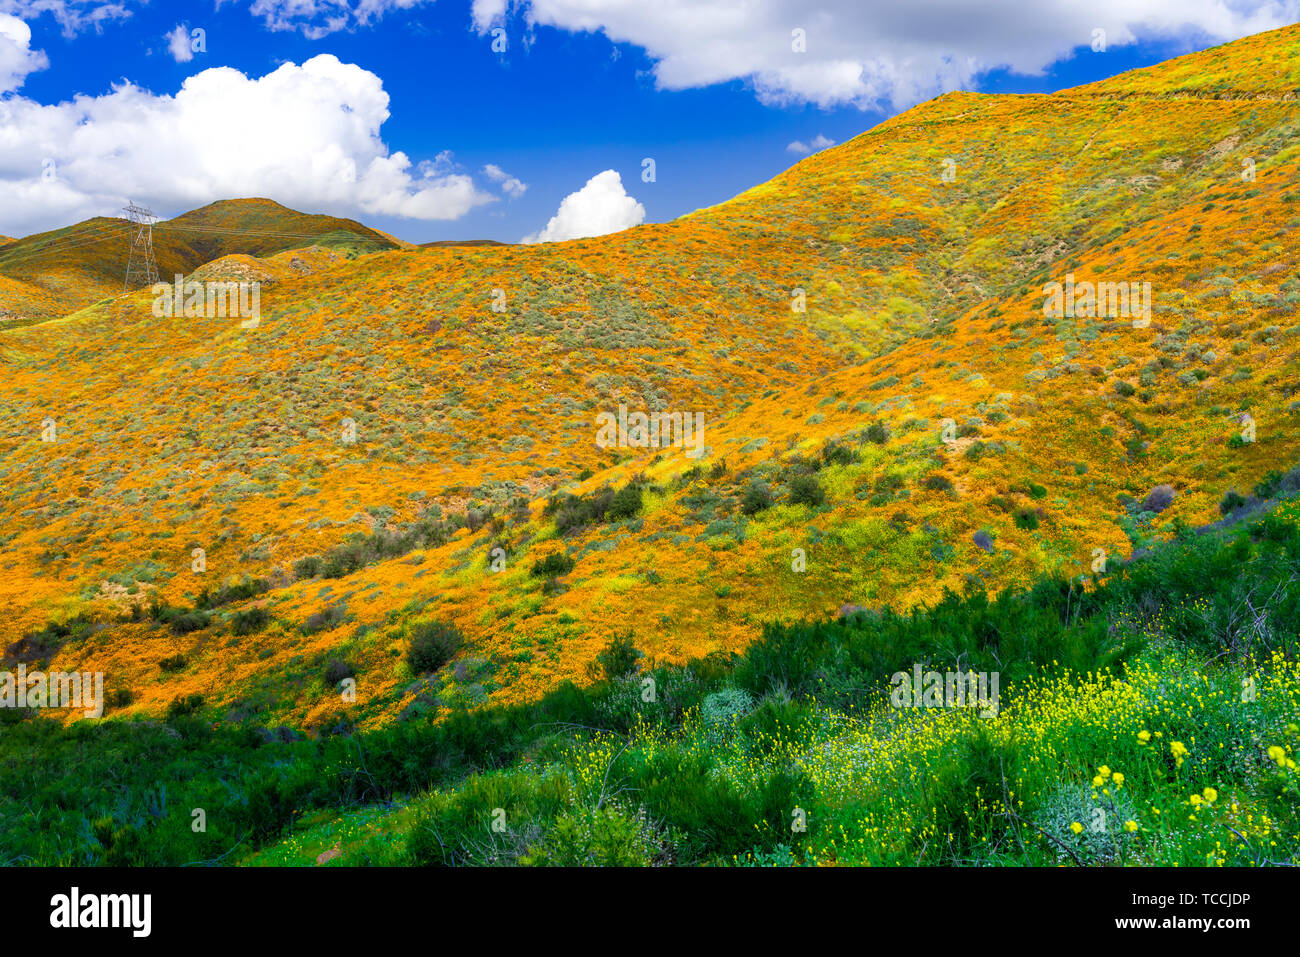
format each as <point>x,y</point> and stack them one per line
<point>51,274</point>
<point>411,437</point>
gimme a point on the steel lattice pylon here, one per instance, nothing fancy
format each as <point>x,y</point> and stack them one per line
<point>141,267</point>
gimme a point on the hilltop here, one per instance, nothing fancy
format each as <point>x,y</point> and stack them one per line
<point>50,274</point>
<point>889,414</point>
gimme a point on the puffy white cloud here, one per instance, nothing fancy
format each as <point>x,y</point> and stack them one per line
<point>600,207</point>
<point>512,186</point>
<point>178,44</point>
<point>876,54</point>
<point>819,142</point>
<point>17,58</point>
<point>307,136</point>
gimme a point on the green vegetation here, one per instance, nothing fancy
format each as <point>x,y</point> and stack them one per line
<point>433,644</point>
<point>716,761</point>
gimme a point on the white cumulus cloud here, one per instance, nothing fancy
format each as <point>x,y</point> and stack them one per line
<point>307,136</point>
<point>17,58</point>
<point>878,55</point>
<point>600,207</point>
<point>819,142</point>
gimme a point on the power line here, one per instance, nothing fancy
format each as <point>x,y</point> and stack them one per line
<point>87,237</point>
<point>234,231</point>
<point>141,267</point>
<point>89,234</point>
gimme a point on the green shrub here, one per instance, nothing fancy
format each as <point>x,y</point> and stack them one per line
<point>833,453</point>
<point>250,621</point>
<point>608,836</point>
<point>433,644</point>
<point>1232,501</point>
<point>572,512</point>
<point>1275,484</point>
<point>726,706</point>
<point>757,497</point>
<point>626,502</point>
<point>226,594</point>
<point>937,482</point>
<point>556,563</point>
<point>307,567</point>
<point>337,670</point>
<point>325,619</point>
<point>619,658</point>
<point>1102,839</point>
<point>806,490</point>
<point>184,705</point>
<point>1026,518</point>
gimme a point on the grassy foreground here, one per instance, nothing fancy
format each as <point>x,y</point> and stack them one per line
<point>1147,718</point>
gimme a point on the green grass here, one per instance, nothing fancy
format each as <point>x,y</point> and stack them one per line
<point>722,761</point>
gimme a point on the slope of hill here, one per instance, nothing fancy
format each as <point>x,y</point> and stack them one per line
<point>410,441</point>
<point>67,269</point>
<point>1123,706</point>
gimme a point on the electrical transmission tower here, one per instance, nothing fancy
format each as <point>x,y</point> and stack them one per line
<point>141,267</point>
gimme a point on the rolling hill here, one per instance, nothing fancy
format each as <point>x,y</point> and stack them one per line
<point>50,274</point>
<point>409,439</point>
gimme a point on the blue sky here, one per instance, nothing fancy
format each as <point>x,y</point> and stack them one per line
<point>563,103</point>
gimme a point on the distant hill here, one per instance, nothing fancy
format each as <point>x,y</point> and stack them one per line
<point>410,440</point>
<point>66,269</point>
<point>437,244</point>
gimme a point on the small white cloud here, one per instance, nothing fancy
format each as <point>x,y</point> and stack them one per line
<point>178,44</point>
<point>17,58</point>
<point>487,13</point>
<point>72,15</point>
<point>319,18</point>
<point>819,143</point>
<point>512,186</point>
<point>599,208</point>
